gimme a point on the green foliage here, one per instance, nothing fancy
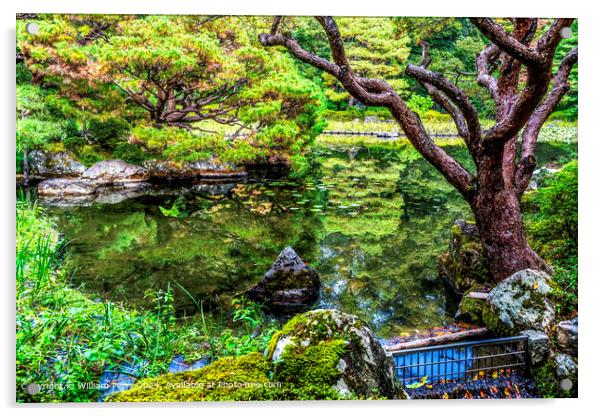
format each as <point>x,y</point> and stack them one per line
<point>176,210</point>
<point>419,104</point>
<point>66,339</point>
<point>108,133</point>
<point>568,108</point>
<point>33,133</point>
<point>131,153</point>
<point>89,155</point>
<point>74,143</point>
<point>552,226</point>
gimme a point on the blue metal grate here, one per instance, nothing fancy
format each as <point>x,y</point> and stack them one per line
<point>461,361</point>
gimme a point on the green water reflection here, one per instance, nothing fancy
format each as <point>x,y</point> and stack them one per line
<point>370,221</point>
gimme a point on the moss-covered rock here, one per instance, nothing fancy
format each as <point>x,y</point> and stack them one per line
<point>227,379</point>
<point>464,265</point>
<point>520,302</point>
<point>54,165</point>
<point>470,310</point>
<point>334,352</point>
<point>289,286</point>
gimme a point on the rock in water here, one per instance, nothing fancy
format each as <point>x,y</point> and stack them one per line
<point>115,172</point>
<point>464,264</point>
<point>520,302</point>
<point>66,187</point>
<point>335,351</point>
<point>201,169</point>
<point>289,286</point>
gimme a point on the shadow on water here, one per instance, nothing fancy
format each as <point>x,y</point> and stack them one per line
<point>370,221</point>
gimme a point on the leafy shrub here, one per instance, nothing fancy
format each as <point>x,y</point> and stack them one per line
<point>129,152</point>
<point>108,133</point>
<point>74,143</point>
<point>419,104</point>
<point>551,217</point>
<point>89,156</point>
<point>554,226</point>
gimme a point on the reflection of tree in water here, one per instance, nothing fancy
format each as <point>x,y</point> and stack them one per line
<point>120,251</point>
<point>379,252</point>
<point>372,224</point>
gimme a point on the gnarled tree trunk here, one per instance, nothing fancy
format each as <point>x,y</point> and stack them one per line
<point>498,218</point>
<point>523,102</point>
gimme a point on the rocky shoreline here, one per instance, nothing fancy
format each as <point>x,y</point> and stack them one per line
<point>63,180</point>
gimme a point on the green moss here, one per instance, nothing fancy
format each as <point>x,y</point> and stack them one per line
<point>546,380</point>
<point>493,323</point>
<point>243,378</point>
<point>272,344</point>
<point>307,374</point>
<point>315,366</point>
<point>471,310</point>
<point>316,326</point>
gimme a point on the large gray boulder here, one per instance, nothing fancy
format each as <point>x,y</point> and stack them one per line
<point>325,346</point>
<point>115,172</point>
<point>539,346</point>
<point>520,302</point>
<point>202,169</point>
<point>66,187</point>
<point>566,334</point>
<point>54,164</point>
<point>566,366</point>
<point>289,286</point>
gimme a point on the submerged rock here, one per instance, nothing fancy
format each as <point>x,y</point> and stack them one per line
<point>109,172</point>
<point>202,169</point>
<point>54,164</point>
<point>119,193</point>
<point>566,333</point>
<point>289,286</point>
<point>520,302</point>
<point>333,350</point>
<point>65,187</point>
<point>464,264</point>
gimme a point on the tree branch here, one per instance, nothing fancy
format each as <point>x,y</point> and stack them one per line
<point>507,43</point>
<point>484,77</point>
<point>377,92</point>
<point>459,98</point>
<point>540,115</point>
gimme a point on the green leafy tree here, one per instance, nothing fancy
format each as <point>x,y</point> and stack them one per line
<point>204,75</point>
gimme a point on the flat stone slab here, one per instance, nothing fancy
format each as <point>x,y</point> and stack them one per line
<point>66,187</point>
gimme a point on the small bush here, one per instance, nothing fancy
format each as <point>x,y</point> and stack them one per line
<point>129,152</point>
<point>74,143</point>
<point>89,156</point>
<point>551,219</point>
<point>108,133</point>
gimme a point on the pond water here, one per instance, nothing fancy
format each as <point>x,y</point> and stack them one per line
<point>372,222</point>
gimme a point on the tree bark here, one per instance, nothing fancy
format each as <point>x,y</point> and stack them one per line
<point>25,167</point>
<point>505,246</point>
<point>494,191</point>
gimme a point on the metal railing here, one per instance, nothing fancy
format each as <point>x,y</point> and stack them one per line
<point>461,361</point>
